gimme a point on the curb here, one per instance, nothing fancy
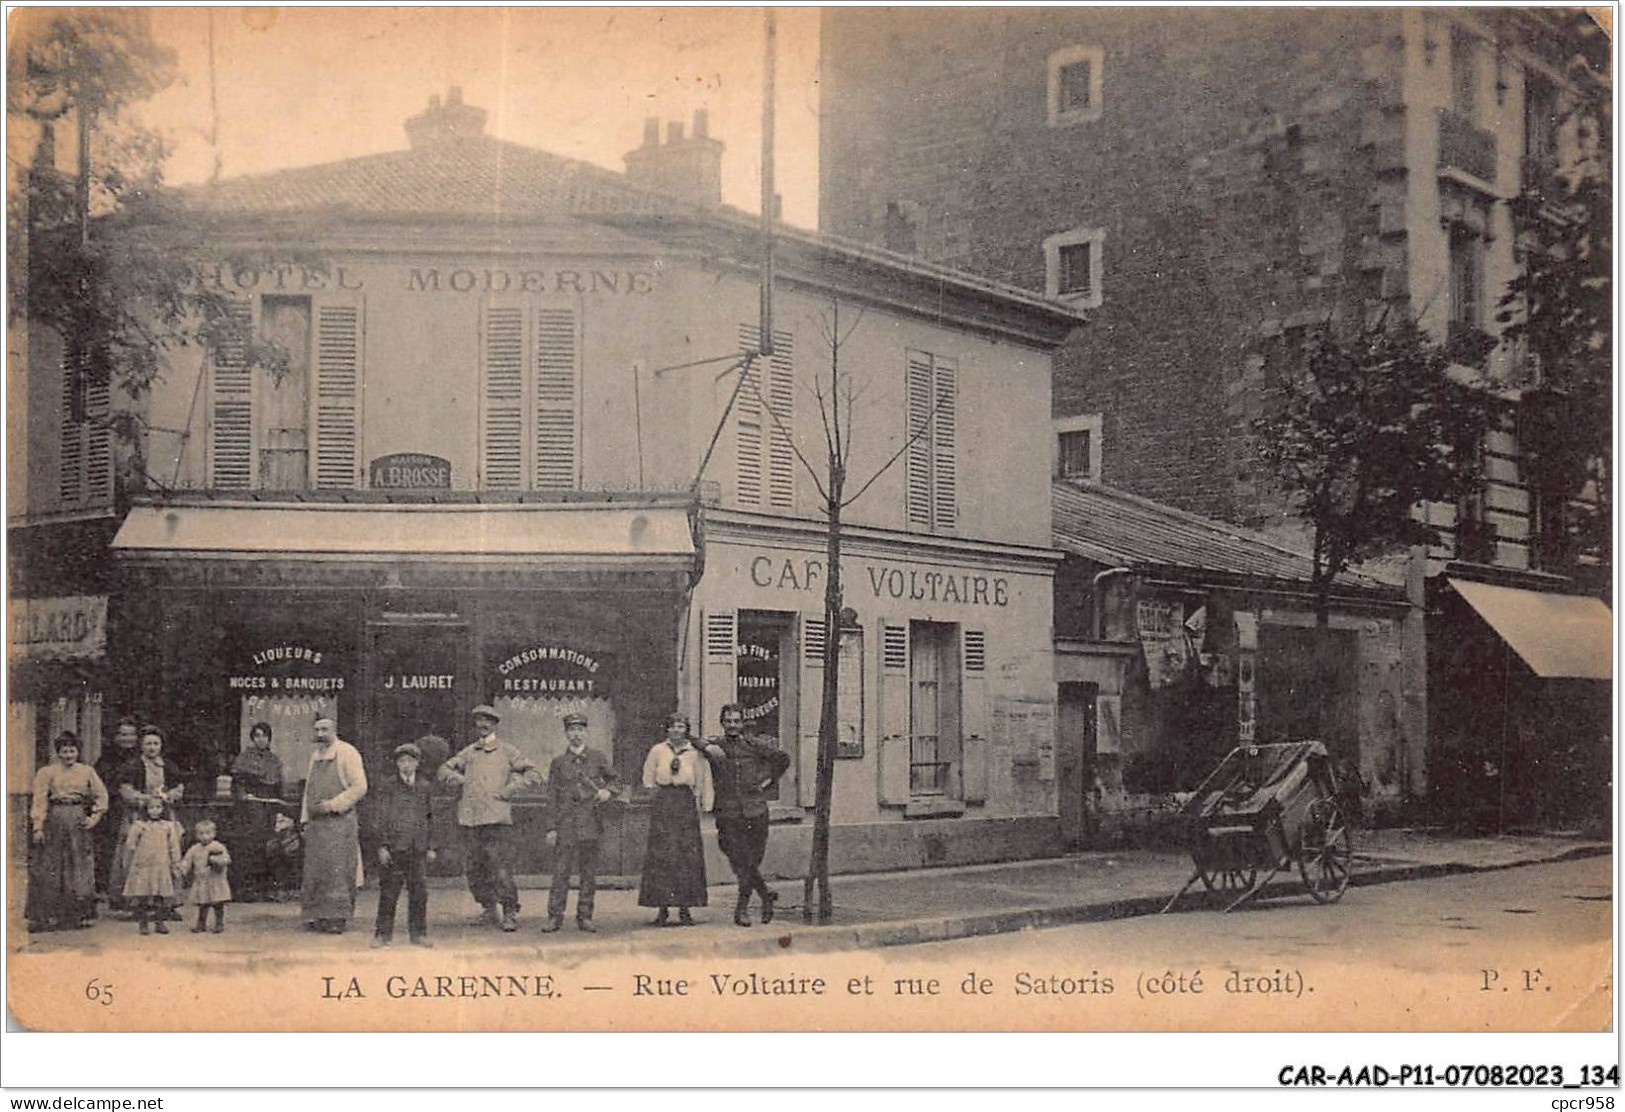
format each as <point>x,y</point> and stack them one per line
<point>803,938</point>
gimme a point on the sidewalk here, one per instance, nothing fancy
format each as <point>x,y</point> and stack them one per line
<point>871,910</point>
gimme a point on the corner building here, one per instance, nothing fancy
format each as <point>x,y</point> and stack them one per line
<point>479,478</point>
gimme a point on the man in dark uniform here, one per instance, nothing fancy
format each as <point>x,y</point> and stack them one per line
<point>578,784</point>
<point>744,768</point>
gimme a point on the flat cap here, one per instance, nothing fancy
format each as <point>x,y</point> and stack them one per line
<point>407,749</point>
<point>486,710</point>
<point>575,718</point>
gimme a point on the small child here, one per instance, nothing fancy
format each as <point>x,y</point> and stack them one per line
<point>204,869</point>
<point>284,851</point>
<point>152,855</point>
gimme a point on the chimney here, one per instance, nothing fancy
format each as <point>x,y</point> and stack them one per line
<point>688,168</point>
<point>449,123</point>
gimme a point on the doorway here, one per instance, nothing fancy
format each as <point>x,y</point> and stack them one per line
<point>1075,744</point>
<point>416,678</point>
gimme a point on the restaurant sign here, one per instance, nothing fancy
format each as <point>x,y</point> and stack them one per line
<point>409,471</point>
<point>553,670</point>
<point>72,627</point>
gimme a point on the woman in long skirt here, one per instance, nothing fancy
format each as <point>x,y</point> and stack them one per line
<point>69,800</point>
<point>674,862</point>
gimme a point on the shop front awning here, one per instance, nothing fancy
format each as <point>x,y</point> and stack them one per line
<point>1558,636</point>
<point>565,537</point>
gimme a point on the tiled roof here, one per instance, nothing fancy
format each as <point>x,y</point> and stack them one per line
<point>475,176</point>
<point>1123,530</point>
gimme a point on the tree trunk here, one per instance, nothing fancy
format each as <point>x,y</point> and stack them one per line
<point>829,708</point>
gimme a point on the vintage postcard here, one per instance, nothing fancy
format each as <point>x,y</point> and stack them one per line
<point>498,498</point>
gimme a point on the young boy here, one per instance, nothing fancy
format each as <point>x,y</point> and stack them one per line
<point>402,807</point>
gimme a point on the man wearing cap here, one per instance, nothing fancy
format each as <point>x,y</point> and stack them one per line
<point>490,771</point>
<point>579,780</point>
<point>402,812</point>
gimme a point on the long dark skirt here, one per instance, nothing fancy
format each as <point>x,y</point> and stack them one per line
<point>332,855</point>
<point>62,874</point>
<point>674,862</point>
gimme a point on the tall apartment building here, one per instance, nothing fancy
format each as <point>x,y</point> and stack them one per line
<point>1208,183</point>
<point>509,460</point>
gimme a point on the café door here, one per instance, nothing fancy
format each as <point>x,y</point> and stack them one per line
<point>418,670</point>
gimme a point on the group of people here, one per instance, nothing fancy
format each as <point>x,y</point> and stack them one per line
<point>730,774</point>
<point>136,857</point>
<point>147,872</point>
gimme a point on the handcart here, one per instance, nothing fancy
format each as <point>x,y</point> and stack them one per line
<point>1262,809</point>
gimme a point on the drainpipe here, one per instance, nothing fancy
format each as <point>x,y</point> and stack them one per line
<point>1094,598</point>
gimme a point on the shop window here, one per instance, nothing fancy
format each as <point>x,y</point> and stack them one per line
<point>1077,447</point>
<point>933,429</point>
<point>934,710</point>
<point>1074,266</point>
<point>530,428</point>
<point>766,683</point>
<point>1075,85</point>
<point>765,461</point>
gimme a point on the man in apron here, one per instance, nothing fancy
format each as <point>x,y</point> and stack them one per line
<point>336,782</point>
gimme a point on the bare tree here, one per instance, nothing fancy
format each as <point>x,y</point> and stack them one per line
<point>837,395</point>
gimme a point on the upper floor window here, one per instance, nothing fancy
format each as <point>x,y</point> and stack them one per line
<point>1073,266</point>
<point>764,457</point>
<point>1075,85</point>
<point>1077,447</point>
<point>530,424</point>
<point>1540,122</point>
<point>1464,74</point>
<point>1466,279</point>
<point>295,425</point>
<point>932,457</point>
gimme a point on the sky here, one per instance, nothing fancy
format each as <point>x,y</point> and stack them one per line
<point>300,86</point>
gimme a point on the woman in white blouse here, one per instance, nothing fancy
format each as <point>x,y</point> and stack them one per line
<point>679,777</point>
<point>69,800</point>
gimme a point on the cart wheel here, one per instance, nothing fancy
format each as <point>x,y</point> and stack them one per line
<point>1326,857</point>
<point>1233,881</point>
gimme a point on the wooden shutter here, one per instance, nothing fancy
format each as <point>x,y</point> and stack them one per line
<point>918,466</point>
<point>765,462</point>
<point>781,397</point>
<point>748,418</point>
<point>718,680</point>
<point>502,389</point>
<point>894,717</point>
<point>231,408</point>
<point>813,631</point>
<point>973,692</point>
<point>932,479</point>
<point>944,438</point>
<point>338,395</point>
<point>71,457</point>
<point>557,421</point>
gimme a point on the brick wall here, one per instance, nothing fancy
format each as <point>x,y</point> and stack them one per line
<point>1234,169</point>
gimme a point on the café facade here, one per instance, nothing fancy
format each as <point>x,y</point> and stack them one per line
<point>508,458</point>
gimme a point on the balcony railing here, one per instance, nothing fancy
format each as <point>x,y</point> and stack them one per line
<point>928,776</point>
<point>1466,147</point>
